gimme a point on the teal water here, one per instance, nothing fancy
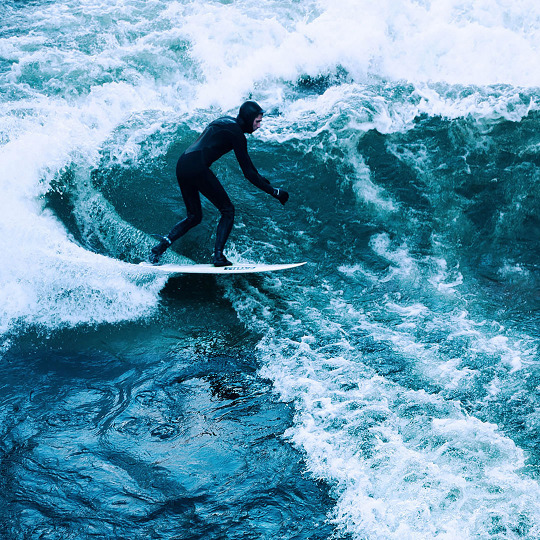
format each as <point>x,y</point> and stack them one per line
<point>387,389</point>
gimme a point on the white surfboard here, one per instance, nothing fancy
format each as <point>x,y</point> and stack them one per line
<point>211,269</point>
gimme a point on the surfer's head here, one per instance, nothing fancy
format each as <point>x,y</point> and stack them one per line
<point>250,116</point>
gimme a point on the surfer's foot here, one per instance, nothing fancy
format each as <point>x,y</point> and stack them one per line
<point>154,258</point>
<point>159,249</point>
<point>220,259</point>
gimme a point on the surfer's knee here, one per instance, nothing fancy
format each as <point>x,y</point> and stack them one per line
<point>194,218</point>
<point>228,211</point>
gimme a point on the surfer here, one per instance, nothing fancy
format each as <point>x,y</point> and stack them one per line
<point>195,177</point>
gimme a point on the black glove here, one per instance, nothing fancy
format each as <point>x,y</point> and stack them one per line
<point>281,195</point>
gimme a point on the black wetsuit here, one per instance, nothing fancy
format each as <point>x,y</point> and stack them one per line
<point>194,176</point>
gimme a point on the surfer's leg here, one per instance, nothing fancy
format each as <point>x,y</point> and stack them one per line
<point>193,218</point>
<point>192,200</point>
<point>212,189</point>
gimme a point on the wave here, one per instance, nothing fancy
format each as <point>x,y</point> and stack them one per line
<point>406,136</point>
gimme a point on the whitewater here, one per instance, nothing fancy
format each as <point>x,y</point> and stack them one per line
<point>388,389</point>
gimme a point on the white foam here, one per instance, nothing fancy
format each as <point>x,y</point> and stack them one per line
<point>402,463</point>
<point>239,48</point>
<point>48,280</point>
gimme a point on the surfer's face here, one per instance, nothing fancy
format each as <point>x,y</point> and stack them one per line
<point>257,122</point>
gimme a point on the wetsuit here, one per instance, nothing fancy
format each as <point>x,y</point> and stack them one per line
<point>195,177</point>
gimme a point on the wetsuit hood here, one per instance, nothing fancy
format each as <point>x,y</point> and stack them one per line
<point>247,114</point>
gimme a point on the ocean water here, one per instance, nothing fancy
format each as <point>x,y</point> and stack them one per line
<point>388,389</point>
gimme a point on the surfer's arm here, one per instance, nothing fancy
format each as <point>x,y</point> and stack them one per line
<point>249,170</point>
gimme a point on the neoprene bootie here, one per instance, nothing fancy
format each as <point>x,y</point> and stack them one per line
<point>159,249</point>
<point>220,260</point>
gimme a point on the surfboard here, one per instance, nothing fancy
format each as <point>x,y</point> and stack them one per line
<point>211,269</point>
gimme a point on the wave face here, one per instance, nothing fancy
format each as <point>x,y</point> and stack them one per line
<point>407,136</point>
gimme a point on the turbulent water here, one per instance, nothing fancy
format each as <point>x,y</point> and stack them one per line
<point>389,389</point>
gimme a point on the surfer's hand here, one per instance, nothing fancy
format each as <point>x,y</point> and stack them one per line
<point>281,195</point>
